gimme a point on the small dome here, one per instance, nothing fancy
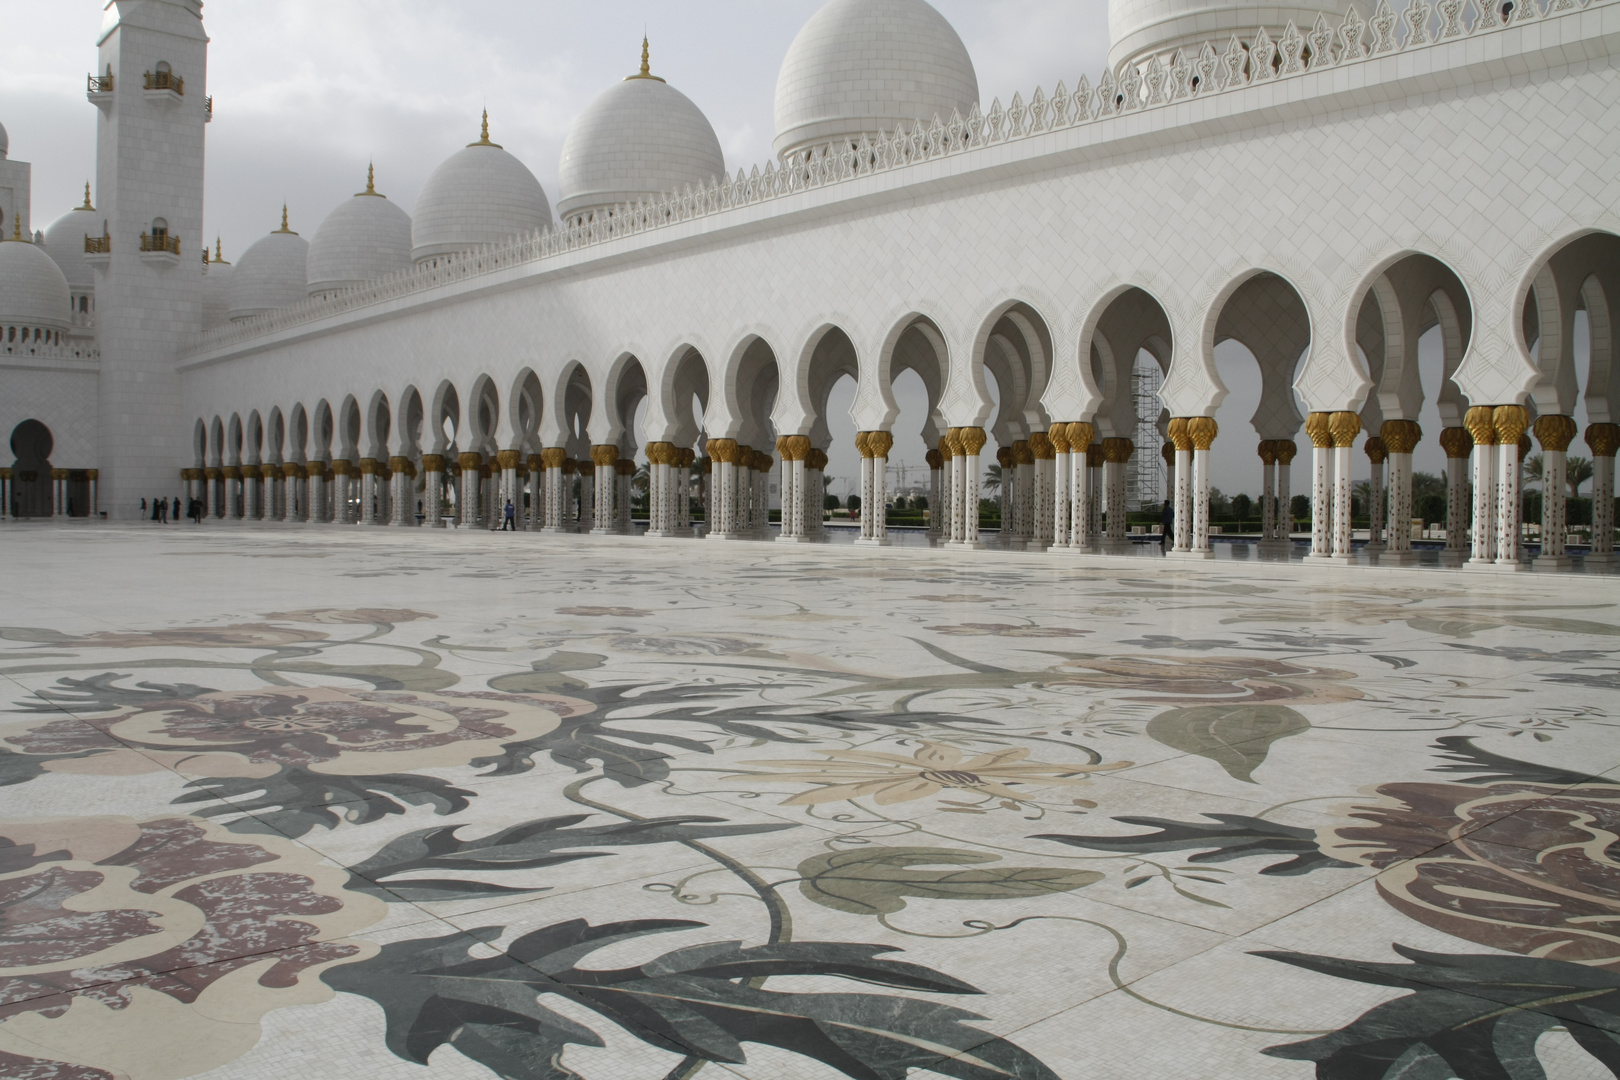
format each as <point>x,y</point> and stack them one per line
<point>33,292</point>
<point>640,139</point>
<point>864,66</point>
<point>270,274</point>
<point>216,289</point>
<point>5,143</point>
<point>1139,29</point>
<point>365,238</point>
<point>64,242</point>
<point>479,195</point>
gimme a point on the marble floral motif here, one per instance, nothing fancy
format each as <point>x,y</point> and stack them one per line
<point>772,815</point>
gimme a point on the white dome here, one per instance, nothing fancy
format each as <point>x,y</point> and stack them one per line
<point>864,66</point>
<point>640,139</point>
<point>33,292</point>
<point>270,274</point>
<point>5,143</point>
<point>216,293</point>
<point>479,195</point>
<point>365,238</point>
<point>1138,29</point>
<point>64,242</point>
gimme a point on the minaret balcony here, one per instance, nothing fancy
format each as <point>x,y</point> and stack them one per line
<point>208,109</point>
<point>165,87</point>
<point>99,89</point>
<point>97,250</point>
<point>160,248</point>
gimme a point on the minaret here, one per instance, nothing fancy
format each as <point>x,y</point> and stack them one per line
<point>149,173</point>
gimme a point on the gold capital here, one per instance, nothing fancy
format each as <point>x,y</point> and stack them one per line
<point>1344,426</point>
<point>1604,439</point>
<point>1316,426</point>
<point>1268,450</point>
<point>1202,430</point>
<point>973,440</point>
<point>1377,452</point>
<point>1456,442</point>
<point>1510,422</point>
<point>1555,432</point>
<point>1400,436</point>
<point>1081,436</point>
<point>1177,433</point>
<point>1478,420</point>
<point>880,442</point>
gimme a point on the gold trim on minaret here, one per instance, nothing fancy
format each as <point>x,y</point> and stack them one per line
<point>284,227</point>
<point>483,135</point>
<point>646,69</point>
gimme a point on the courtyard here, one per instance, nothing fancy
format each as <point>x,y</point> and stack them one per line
<point>322,802</point>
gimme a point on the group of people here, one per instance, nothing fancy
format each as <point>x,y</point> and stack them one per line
<point>159,510</point>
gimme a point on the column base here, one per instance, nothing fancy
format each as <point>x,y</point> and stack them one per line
<point>722,536</point>
<point>794,540</point>
<point>866,541</point>
<point>1453,559</point>
<point>1375,549</point>
<point>1395,558</point>
<point>963,545</point>
<point>1552,562</point>
<point>1607,558</point>
<point>1190,556</point>
<point>1118,545</point>
<point>1511,566</point>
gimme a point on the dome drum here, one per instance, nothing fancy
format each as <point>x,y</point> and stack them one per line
<point>1142,29</point>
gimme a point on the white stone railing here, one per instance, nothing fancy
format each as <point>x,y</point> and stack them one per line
<point>1153,84</point>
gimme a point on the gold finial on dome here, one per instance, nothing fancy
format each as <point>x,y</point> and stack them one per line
<point>219,251</point>
<point>16,229</point>
<point>285,228</point>
<point>87,205</point>
<point>646,68</point>
<point>371,183</point>
<point>483,134</point>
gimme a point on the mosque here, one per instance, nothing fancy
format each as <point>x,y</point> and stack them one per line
<point>1323,181</point>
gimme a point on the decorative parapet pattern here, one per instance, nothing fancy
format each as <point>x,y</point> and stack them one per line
<point>1155,84</point>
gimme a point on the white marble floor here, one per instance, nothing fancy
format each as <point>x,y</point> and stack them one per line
<point>354,803</point>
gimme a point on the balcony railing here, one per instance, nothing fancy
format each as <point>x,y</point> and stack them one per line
<point>165,80</point>
<point>208,106</point>
<point>99,84</point>
<point>98,245</point>
<point>160,242</point>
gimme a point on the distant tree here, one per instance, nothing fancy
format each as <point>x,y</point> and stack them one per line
<point>992,478</point>
<point>1430,507</point>
<point>1534,469</point>
<point>1424,484</point>
<point>1577,471</point>
<point>1242,506</point>
<point>919,502</point>
<point>899,502</point>
<point>854,504</point>
<point>642,481</point>
<point>830,502</point>
<point>1220,507</point>
<point>1299,507</point>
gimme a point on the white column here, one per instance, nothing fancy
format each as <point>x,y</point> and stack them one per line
<point>1556,433</point>
<point>1375,500</point>
<point>1061,512</point>
<point>938,512</point>
<point>1603,440</point>
<point>1316,426</point>
<point>1080,496</point>
<point>1510,422</point>
<point>1458,449</point>
<point>973,440</point>
<point>867,487</point>
<point>1484,516</point>
<point>1268,491</point>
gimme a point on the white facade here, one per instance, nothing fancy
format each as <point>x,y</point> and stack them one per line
<point>1322,193</point>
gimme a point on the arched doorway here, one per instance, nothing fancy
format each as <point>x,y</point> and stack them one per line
<point>31,444</point>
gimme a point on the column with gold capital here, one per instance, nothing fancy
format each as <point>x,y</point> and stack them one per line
<point>605,460</point>
<point>1182,485</point>
<point>1481,425</point>
<point>936,492</point>
<point>1603,440</point>
<point>297,491</point>
<point>472,479</point>
<point>972,440</point>
<point>1023,501</point>
<point>1286,451</point>
<point>723,489</point>
<point>1458,445</point>
<point>865,450</point>
<point>1082,437</point>
<point>1202,431</point>
<point>233,492</point>
<point>1400,439</point>
<point>1058,519</point>
<point>1377,457</point>
<point>815,495</point>
<point>956,527</point>
<point>1321,435</point>
<point>433,489</point>
<point>792,449</point>
<point>342,471</point>
<point>1555,434</point>
<point>1510,423</point>
<point>402,490</point>
<point>1040,524</point>
<point>876,511</point>
<point>1116,454</point>
<point>1344,427</point>
<point>1268,492</point>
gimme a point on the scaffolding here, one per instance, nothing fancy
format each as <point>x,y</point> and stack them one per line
<point>1144,475</point>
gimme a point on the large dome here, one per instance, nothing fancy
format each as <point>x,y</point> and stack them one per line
<point>641,139</point>
<point>33,292</point>
<point>1139,29</point>
<point>480,195</point>
<point>5,143</point>
<point>365,238</point>
<point>64,242</point>
<point>270,274</point>
<point>216,289</point>
<point>864,66</point>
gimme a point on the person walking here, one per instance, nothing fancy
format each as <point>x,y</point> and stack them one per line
<point>177,508</point>
<point>1167,529</point>
<point>511,518</point>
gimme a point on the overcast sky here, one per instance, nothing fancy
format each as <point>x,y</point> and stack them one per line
<point>307,92</point>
